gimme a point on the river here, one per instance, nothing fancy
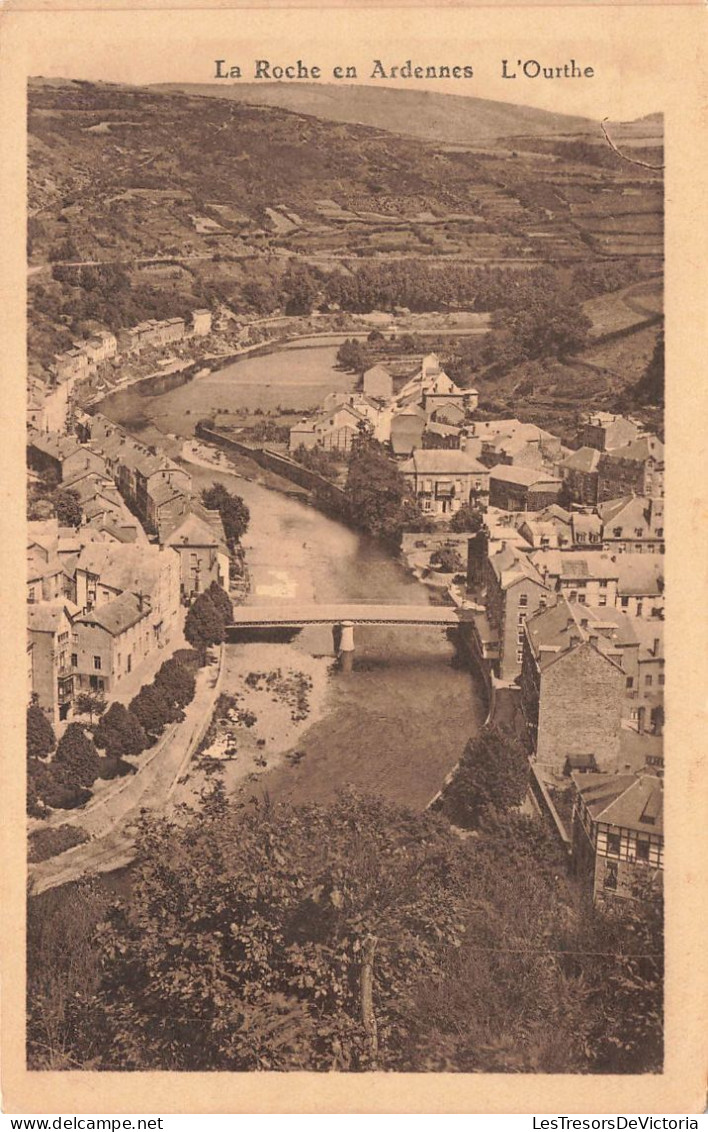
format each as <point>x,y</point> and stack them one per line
<point>396,721</point>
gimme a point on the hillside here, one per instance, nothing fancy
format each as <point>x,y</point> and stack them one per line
<point>446,119</point>
<point>206,200</point>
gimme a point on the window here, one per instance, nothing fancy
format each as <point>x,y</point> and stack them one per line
<point>642,850</point>
<point>617,532</point>
<point>648,680</point>
<point>519,655</point>
<point>629,682</point>
<point>624,602</point>
<point>523,600</point>
<point>573,595</point>
<point>542,602</point>
<point>31,597</point>
<point>639,608</point>
<point>603,583</point>
<point>520,637</point>
<point>610,880</point>
<point>661,679</point>
<point>522,618</point>
<point>639,532</point>
<point>74,660</point>
<point>581,599</point>
<point>659,532</point>
<point>613,844</point>
<point>97,663</point>
<point>602,599</point>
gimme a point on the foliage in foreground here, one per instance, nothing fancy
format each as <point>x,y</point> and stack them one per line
<point>241,947</point>
<point>490,780</point>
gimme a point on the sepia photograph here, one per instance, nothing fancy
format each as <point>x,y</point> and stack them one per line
<point>345,562</point>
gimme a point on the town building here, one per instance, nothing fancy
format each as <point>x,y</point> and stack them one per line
<point>513,591</point>
<point>633,469</point>
<point>203,555</point>
<point>633,523</point>
<point>605,431</point>
<point>60,456</point>
<point>378,383</point>
<point>201,322</point>
<point>518,488</point>
<point>618,834</point>
<point>581,577</point>
<point>407,428</point>
<point>334,430</point>
<point>49,629</point>
<point>572,689</point>
<point>640,585</point>
<point>110,641</point>
<point>442,481</point>
<point>579,471</point>
<point>105,570</point>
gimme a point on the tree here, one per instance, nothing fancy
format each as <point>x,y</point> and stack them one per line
<point>40,733</point>
<point>491,777</point>
<point>205,624</point>
<point>176,683</point>
<point>242,945</point>
<point>234,513</point>
<point>153,709</point>
<point>447,560</point>
<point>67,507</point>
<point>300,289</point>
<point>76,759</point>
<point>649,390</point>
<point>467,519</point>
<point>375,490</point>
<point>119,732</point>
<point>90,704</point>
<point>221,600</point>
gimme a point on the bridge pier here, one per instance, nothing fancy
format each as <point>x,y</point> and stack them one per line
<point>346,638</point>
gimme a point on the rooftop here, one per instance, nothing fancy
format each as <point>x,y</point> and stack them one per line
<point>628,801</point>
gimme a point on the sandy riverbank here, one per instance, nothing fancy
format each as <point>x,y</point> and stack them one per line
<point>271,695</point>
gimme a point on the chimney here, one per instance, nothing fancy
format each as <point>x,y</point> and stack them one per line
<point>657,645</point>
<point>574,639</point>
<point>594,639</point>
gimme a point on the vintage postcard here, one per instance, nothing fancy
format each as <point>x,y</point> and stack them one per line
<point>355,563</point>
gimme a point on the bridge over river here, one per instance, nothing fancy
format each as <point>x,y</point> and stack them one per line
<point>343,617</point>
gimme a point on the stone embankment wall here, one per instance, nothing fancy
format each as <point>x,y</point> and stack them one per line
<point>282,465</point>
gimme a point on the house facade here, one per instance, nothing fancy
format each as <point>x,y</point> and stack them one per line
<point>518,488</point>
<point>442,480</point>
<point>572,690</point>
<point>617,834</point>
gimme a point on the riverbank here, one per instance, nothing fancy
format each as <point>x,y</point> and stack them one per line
<point>270,696</point>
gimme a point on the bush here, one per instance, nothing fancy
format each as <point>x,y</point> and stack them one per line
<point>468,519</point>
<point>176,683</point>
<point>120,732</point>
<point>47,786</point>
<point>447,560</point>
<point>153,710</point>
<point>205,624</point>
<point>76,759</point>
<point>46,843</point>
<point>491,779</point>
<point>40,734</point>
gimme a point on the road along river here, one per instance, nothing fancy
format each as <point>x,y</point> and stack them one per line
<point>395,721</point>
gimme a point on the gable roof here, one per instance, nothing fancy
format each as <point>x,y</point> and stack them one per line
<point>521,476</point>
<point>629,801</point>
<point>116,616</point>
<point>442,461</point>
<point>582,460</point>
<point>194,531</point>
